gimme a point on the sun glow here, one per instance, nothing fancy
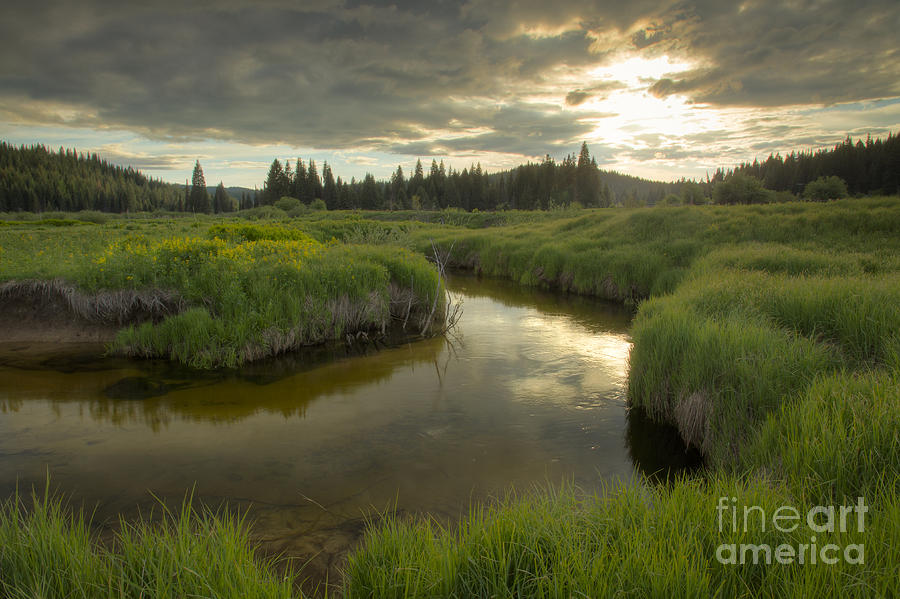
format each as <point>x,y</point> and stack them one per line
<point>637,71</point>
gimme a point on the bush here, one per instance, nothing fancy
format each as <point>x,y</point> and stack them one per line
<point>318,204</point>
<point>692,193</point>
<point>782,197</point>
<point>92,216</point>
<point>262,213</point>
<point>671,200</point>
<point>742,189</point>
<point>287,203</point>
<point>825,188</point>
<point>298,211</point>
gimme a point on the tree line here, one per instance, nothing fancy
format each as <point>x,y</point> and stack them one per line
<point>870,167</point>
<point>532,186</point>
<point>35,179</point>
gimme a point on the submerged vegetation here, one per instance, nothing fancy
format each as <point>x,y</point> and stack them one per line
<point>769,335</point>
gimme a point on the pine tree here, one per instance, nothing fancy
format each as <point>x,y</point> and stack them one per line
<point>222,201</point>
<point>313,184</point>
<point>329,189</point>
<point>586,181</point>
<point>397,197</point>
<point>277,184</point>
<point>369,194</point>
<point>199,195</point>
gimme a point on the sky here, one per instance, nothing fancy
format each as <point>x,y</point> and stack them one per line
<point>662,89</point>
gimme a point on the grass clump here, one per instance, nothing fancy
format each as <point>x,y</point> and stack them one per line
<point>254,299</point>
<point>243,233</point>
<point>631,541</point>
<point>49,551</point>
<point>837,440</point>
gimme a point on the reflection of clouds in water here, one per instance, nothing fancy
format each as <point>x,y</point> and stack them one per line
<point>560,336</point>
<point>544,357</point>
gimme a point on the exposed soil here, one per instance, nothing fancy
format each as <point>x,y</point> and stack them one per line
<point>44,319</point>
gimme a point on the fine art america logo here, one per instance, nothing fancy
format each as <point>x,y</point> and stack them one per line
<point>821,519</point>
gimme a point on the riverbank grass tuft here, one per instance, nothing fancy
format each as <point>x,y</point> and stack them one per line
<point>48,550</point>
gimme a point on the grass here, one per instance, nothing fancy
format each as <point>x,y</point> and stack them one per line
<point>630,542</point>
<point>768,335</point>
<point>245,291</point>
<point>49,551</point>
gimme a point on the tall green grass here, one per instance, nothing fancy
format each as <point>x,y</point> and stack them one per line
<point>632,541</point>
<point>249,291</point>
<point>49,551</point>
<point>628,255</point>
<point>770,339</point>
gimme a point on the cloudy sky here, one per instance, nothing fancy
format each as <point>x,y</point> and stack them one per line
<point>659,89</point>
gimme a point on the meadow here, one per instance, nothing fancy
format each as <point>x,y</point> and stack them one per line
<point>209,294</point>
<point>768,335</point>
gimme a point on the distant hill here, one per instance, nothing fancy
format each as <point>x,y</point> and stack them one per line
<point>235,192</point>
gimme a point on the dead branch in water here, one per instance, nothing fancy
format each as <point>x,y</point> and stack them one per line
<point>453,310</point>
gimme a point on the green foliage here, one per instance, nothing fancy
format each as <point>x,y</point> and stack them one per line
<point>835,441</point>
<point>288,203</point>
<point>825,188</point>
<point>872,167</point>
<point>263,213</point>
<point>318,204</point>
<point>692,194</point>
<point>47,550</point>
<point>36,179</point>
<point>222,202</point>
<point>671,200</point>
<point>198,198</point>
<point>742,189</point>
<point>249,291</point>
<point>241,233</point>
<point>632,541</point>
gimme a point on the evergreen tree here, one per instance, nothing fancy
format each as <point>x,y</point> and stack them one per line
<point>329,189</point>
<point>397,194</point>
<point>368,197</point>
<point>298,185</point>
<point>222,202</point>
<point>277,184</point>
<point>313,184</point>
<point>586,179</point>
<point>199,195</point>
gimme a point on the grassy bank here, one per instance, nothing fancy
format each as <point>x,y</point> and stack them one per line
<point>219,294</point>
<point>770,336</point>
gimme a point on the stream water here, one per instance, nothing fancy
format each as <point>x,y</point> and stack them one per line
<point>529,391</point>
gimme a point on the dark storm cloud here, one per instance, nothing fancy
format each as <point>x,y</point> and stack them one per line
<point>408,76</point>
<point>764,53</point>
